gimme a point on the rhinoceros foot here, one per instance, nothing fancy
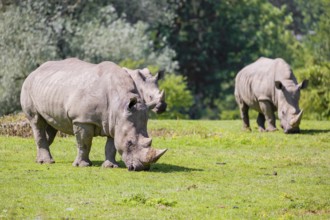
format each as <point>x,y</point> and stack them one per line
<point>271,129</point>
<point>246,128</point>
<point>42,160</point>
<point>44,156</point>
<point>108,164</point>
<point>82,163</point>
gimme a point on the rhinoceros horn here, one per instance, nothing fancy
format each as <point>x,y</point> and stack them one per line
<point>296,120</point>
<point>162,95</point>
<point>153,155</point>
<point>152,104</point>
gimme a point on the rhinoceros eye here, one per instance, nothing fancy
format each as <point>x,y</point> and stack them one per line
<point>129,146</point>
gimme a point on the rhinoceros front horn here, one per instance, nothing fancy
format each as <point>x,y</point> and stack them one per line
<point>154,154</point>
<point>296,120</point>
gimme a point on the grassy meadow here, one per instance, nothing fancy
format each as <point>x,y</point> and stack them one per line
<point>212,170</point>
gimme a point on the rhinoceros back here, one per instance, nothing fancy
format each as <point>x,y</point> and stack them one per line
<point>69,91</point>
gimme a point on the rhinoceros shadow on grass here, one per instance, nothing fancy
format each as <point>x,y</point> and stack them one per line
<point>157,168</point>
<point>314,131</point>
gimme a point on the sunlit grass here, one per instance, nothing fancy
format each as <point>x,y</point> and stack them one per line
<point>212,170</point>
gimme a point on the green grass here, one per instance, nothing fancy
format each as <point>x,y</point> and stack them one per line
<point>212,170</point>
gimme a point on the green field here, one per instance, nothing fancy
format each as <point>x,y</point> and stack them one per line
<point>212,170</point>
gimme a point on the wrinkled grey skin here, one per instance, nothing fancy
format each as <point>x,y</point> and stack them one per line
<point>268,85</point>
<point>88,100</point>
<point>147,86</point>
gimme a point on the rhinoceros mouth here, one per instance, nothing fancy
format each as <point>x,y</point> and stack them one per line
<point>138,168</point>
<point>292,131</point>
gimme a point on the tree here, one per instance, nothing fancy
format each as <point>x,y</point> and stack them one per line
<point>35,31</point>
<point>23,45</point>
<point>315,100</point>
<point>215,39</point>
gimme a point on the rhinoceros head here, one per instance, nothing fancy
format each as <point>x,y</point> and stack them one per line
<point>131,137</point>
<point>147,86</point>
<point>288,104</point>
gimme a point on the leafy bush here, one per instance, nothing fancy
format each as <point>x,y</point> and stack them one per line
<point>23,46</point>
<point>315,100</point>
<point>33,32</point>
<point>178,98</point>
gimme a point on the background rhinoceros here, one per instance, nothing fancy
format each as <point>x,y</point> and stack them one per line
<point>88,100</point>
<point>147,86</point>
<point>268,85</point>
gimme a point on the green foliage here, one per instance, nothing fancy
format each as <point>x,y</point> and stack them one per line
<point>178,98</point>
<point>214,39</point>
<point>209,40</point>
<point>315,100</point>
<point>212,170</point>
<point>23,45</point>
<point>33,32</point>
<point>319,41</point>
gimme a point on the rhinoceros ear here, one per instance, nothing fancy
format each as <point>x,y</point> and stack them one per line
<point>278,85</point>
<point>303,84</point>
<point>159,75</point>
<point>143,77</point>
<point>132,103</point>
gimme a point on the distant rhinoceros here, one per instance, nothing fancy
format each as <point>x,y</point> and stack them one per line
<point>89,100</point>
<point>268,85</point>
<point>147,86</point>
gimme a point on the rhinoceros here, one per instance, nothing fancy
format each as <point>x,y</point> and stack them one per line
<point>268,85</point>
<point>147,86</point>
<point>89,100</point>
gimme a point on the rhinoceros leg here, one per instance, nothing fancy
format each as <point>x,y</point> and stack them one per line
<point>50,134</point>
<point>244,109</point>
<point>84,135</point>
<point>267,110</point>
<point>110,154</point>
<point>261,122</point>
<point>39,127</point>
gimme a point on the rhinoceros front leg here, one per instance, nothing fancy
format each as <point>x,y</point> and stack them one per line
<point>268,112</point>
<point>110,154</point>
<point>42,139</point>
<point>84,135</point>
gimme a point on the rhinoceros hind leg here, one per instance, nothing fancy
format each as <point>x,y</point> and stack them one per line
<point>110,154</point>
<point>39,126</point>
<point>84,135</point>
<point>244,109</point>
<point>50,134</point>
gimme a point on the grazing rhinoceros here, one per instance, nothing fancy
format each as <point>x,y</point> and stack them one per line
<point>147,86</point>
<point>268,85</point>
<point>89,100</point>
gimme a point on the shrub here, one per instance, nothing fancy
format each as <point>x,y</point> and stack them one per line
<point>178,98</point>
<point>315,100</point>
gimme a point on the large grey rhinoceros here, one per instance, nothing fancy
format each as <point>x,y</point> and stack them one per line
<point>147,86</point>
<point>268,85</point>
<point>89,100</point>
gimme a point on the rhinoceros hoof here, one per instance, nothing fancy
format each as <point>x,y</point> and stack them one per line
<point>45,160</point>
<point>271,129</point>
<point>82,163</point>
<point>108,164</point>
